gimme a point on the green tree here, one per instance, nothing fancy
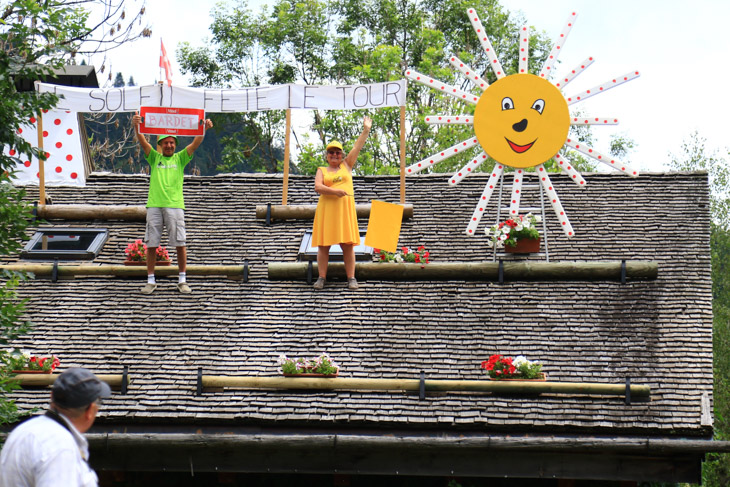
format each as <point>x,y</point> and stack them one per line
<point>35,37</point>
<point>348,42</point>
<point>118,81</point>
<point>695,156</point>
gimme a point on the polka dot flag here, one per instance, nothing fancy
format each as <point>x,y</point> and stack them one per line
<point>64,165</point>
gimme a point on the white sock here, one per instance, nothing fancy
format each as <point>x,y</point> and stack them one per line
<point>181,278</point>
<point>151,279</point>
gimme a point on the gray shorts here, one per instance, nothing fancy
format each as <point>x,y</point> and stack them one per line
<point>171,218</point>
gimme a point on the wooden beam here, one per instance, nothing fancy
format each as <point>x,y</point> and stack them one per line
<point>40,380</point>
<point>41,163</point>
<point>231,271</point>
<point>480,271</point>
<point>306,212</point>
<point>92,212</point>
<point>441,385</point>
<point>287,139</point>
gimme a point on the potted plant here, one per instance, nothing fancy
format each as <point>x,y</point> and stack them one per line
<point>499,367</point>
<point>516,234</point>
<point>405,254</point>
<point>136,253</point>
<point>24,363</point>
<point>322,366</point>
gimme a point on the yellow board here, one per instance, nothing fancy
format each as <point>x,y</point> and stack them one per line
<point>384,226</point>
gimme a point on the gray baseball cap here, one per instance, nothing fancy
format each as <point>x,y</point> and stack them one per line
<point>78,387</point>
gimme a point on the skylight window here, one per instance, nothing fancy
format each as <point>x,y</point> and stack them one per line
<point>65,244</point>
<point>307,252</point>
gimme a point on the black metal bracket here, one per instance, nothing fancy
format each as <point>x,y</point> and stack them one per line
<point>125,379</point>
<point>245,271</point>
<point>628,390</point>
<point>501,271</point>
<point>268,214</point>
<point>34,212</point>
<point>199,388</point>
<point>309,272</point>
<point>422,387</point>
<point>54,272</point>
<point>623,271</point>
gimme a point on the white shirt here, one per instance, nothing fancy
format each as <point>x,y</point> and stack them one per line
<point>42,453</point>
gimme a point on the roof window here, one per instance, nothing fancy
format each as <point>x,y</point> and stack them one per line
<point>307,252</point>
<point>65,244</point>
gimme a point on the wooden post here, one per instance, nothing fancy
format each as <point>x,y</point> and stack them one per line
<point>402,154</point>
<point>41,163</point>
<point>286,157</point>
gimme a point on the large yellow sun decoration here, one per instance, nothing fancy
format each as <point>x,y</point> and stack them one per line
<point>521,121</point>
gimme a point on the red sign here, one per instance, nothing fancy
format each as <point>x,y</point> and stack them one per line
<point>172,121</point>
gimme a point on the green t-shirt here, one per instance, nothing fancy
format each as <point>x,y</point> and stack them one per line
<point>166,179</point>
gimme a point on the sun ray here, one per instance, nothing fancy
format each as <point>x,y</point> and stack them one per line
<point>568,169</point>
<point>553,56</point>
<point>484,199</point>
<point>443,87</point>
<point>469,72</point>
<point>514,203</point>
<point>488,49</point>
<point>594,121</point>
<point>449,119</point>
<point>524,49</point>
<point>464,171</point>
<point>619,80</point>
<point>608,160</point>
<point>574,73</point>
<point>440,156</point>
<point>547,185</point>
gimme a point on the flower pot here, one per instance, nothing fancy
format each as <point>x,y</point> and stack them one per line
<point>542,378</point>
<point>142,262</point>
<point>312,374</point>
<point>524,246</point>
<point>32,371</point>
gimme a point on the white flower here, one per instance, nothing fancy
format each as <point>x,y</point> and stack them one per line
<point>519,360</point>
<point>538,218</point>
<point>520,226</point>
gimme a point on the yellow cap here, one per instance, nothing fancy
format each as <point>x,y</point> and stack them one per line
<point>334,144</point>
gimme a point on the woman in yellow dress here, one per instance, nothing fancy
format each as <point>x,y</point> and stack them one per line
<point>335,221</point>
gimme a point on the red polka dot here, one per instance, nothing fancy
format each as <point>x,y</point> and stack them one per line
<point>26,163</point>
<point>70,131</point>
<point>69,157</point>
<point>20,130</point>
<point>59,145</point>
<point>45,133</point>
<point>48,154</point>
<point>58,169</point>
<point>12,152</point>
<point>57,121</point>
<point>74,175</point>
<point>32,119</point>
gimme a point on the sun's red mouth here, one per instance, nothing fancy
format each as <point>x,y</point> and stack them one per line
<point>520,148</point>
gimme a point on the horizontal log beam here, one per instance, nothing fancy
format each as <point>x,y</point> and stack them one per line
<point>231,271</point>
<point>441,385</point>
<point>315,442</point>
<point>40,380</point>
<point>480,271</point>
<point>92,212</point>
<point>306,212</point>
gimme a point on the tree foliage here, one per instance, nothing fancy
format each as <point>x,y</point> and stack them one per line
<point>352,42</point>
<point>36,37</point>
<point>695,156</point>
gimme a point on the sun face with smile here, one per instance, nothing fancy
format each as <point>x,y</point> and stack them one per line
<point>522,120</point>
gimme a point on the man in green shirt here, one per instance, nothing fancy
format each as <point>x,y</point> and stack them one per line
<point>165,205</point>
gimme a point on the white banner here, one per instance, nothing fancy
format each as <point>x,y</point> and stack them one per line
<point>62,145</point>
<point>260,98</point>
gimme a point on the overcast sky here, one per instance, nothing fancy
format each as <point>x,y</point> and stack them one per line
<point>678,46</point>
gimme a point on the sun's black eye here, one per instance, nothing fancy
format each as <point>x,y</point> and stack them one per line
<point>507,103</point>
<point>539,105</point>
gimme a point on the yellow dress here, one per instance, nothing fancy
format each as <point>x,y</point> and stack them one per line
<point>335,220</point>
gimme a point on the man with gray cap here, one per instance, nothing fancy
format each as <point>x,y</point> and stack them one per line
<point>165,204</point>
<point>49,450</point>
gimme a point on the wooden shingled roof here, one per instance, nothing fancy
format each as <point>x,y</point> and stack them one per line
<point>655,332</point>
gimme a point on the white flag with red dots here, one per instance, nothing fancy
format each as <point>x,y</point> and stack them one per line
<point>64,165</point>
